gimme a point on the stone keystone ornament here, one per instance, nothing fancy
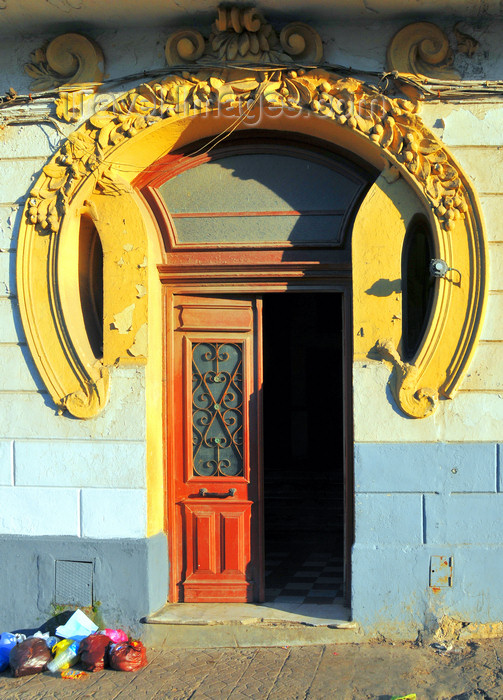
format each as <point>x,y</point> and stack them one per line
<point>242,36</point>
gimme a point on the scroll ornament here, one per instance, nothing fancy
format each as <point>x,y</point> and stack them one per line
<point>423,49</point>
<point>392,124</point>
<point>93,396</point>
<point>68,62</point>
<point>414,401</point>
<point>242,35</point>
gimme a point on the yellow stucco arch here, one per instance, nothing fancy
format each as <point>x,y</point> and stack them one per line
<point>90,176</point>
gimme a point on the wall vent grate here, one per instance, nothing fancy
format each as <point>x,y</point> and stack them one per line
<point>74,583</point>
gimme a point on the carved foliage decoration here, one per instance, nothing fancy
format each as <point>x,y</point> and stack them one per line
<point>465,43</point>
<point>242,35</point>
<point>69,59</point>
<point>391,125</point>
<point>423,49</point>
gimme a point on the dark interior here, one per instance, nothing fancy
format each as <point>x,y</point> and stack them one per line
<point>303,431</point>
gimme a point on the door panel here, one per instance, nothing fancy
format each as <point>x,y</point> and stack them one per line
<point>216,448</point>
<point>218,549</point>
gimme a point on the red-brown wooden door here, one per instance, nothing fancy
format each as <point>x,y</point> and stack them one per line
<point>216,448</point>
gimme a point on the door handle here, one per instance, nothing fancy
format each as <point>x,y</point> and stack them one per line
<point>204,493</point>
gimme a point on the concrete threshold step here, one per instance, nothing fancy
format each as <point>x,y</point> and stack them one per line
<point>210,625</point>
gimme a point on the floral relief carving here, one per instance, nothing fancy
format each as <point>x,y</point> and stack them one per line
<point>392,124</point>
<point>465,43</point>
<point>242,35</point>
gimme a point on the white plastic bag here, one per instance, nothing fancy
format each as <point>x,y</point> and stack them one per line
<point>78,627</point>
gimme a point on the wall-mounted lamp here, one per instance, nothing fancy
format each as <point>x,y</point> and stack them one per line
<point>439,268</point>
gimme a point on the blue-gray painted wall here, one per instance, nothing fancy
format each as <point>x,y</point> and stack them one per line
<point>415,500</point>
<point>130,578</point>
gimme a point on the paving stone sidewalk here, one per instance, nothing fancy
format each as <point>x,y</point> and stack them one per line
<point>343,672</point>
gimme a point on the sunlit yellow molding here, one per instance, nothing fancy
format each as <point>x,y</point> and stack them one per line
<point>377,242</point>
<point>72,62</point>
<point>422,48</point>
<point>101,158</point>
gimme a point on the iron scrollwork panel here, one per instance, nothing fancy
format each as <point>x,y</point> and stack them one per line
<point>217,409</point>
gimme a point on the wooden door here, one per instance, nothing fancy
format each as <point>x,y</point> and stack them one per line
<point>216,448</point>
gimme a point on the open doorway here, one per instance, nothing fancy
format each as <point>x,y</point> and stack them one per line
<point>303,448</point>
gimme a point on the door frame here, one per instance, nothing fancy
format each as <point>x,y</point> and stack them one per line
<point>255,275</point>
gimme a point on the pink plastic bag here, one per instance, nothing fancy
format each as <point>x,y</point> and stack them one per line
<point>116,636</point>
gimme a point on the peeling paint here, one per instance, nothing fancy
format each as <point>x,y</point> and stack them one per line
<point>128,247</point>
<point>123,321</point>
<point>481,630</point>
<point>452,630</point>
<point>144,263</point>
<point>141,290</point>
<point>120,262</point>
<point>484,125</point>
<point>139,347</point>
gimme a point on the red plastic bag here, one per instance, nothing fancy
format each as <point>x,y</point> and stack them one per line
<point>127,656</point>
<point>93,652</point>
<point>29,657</point>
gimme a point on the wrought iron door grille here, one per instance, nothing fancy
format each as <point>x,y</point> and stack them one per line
<point>217,409</point>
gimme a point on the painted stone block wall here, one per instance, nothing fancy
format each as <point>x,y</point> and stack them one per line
<point>414,501</point>
<point>59,475</point>
<point>70,490</point>
<point>433,487</point>
<point>74,490</point>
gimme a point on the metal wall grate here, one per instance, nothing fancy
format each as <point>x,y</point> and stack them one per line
<point>74,583</point>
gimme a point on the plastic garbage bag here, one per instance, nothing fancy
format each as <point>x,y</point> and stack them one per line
<point>115,635</point>
<point>93,652</point>
<point>127,656</point>
<point>67,654</point>
<point>41,635</point>
<point>7,641</point>
<point>78,627</point>
<point>29,657</point>
<point>51,642</point>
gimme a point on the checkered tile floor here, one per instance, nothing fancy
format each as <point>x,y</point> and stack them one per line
<point>309,577</point>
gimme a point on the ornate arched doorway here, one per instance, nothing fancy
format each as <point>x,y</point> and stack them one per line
<point>257,284</point>
<point>91,179</point>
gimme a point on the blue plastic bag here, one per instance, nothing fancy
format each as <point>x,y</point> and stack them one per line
<point>7,642</point>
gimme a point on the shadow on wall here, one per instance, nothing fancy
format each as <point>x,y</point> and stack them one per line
<point>385,288</point>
